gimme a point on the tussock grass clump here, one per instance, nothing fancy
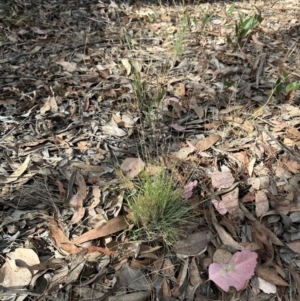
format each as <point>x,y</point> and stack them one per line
<point>159,211</point>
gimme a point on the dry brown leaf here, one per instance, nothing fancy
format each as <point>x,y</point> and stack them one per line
<point>195,278</point>
<point>292,166</point>
<point>221,256</point>
<point>237,121</point>
<point>166,292</point>
<point>249,197</point>
<point>74,200</point>
<point>120,122</point>
<point>212,125</point>
<point>58,278</point>
<point>111,128</point>
<point>207,142</point>
<point>112,226</point>
<point>261,236</point>
<point>179,286</point>
<point>146,249</point>
<point>256,41</point>
<point>96,220</point>
<point>135,296</point>
<point>53,104</point>
<point>61,141</point>
<point>62,191</point>
<point>96,194</point>
<point>295,275</point>
<point>220,206</point>
<point>180,90</point>
<point>61,239</point>
<point>17,271</point>
<point>227,238</point>
<point>82,189</point>
<point>242,157</point>
<point>116,206</point>
<point>18,172</point>
<point>77,199</point>
<point>132,166</point>
<point>230,225</point>
<point>153,169</point>
<point>82,146</point>
<point>290,96</point>
<point>50,104</point>
<point>251,166</point>
<point>285,204</point>
<point>26,257</point>
<point>198,109</point>
<point>261,203</point>
<point>221,179</point>
<point>70,67</point>
<point>294,246</point>
<point>288,142</point>
<point>231,201</point>
<point>270,275</point>
<point>88,167</point>
<point>33,143</point>
<point>77,264</point>
<point>293,132</point>
<point>173,102</point>
<point>227,71</point>
<point>257,226</point>
<point>96,249</point>
<point>194,244</point>
<point>127,65</point>
<point>46,107</point>
<point>134,278</point>
<point>264,182</point>
<point>137,263</point>
<point>224,236</point>
<point>247,126</point>
<point>78,215</point>
<point>13,276</point>
<point>156,268</point>
<point>184,152</point>
<point>103,74</point>
<point>231,109</point>
<point>255,182</point>
<point>168,269</point>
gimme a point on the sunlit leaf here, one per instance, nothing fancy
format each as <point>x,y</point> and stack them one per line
<point>206,19</point>
<point>231,9</point>
<point>292,86</point>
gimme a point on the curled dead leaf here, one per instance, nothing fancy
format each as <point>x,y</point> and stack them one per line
<point>270,275</point>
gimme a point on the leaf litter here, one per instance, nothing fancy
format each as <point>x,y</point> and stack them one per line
<point>95,94</point>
